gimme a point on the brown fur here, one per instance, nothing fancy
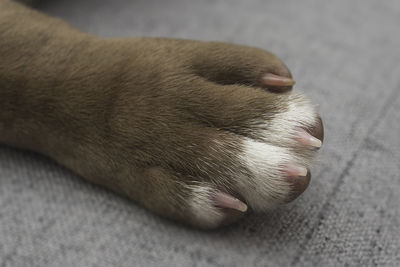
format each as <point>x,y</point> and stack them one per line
<point>135,115</point>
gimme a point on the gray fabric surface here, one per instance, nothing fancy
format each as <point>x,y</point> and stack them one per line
<point>344,54</point>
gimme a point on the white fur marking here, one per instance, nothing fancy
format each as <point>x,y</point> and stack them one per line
<point>202,206</point>
<point>265,188</point>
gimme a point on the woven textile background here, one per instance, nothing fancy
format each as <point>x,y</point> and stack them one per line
<point>345,55</point>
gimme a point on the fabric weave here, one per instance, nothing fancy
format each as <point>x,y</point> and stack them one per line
<point>344,56</point>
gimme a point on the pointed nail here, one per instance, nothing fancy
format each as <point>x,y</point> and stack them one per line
<point>307,139</point>
<point>275,80</point>
<point>295,171</point>
<point>224,200</point>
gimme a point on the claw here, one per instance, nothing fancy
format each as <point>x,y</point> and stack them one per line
<point>295,171</point>
<point>275,80</point>
<point>224,200</point>
<point>307,139</point>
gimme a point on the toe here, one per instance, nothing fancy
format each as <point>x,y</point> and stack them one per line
<point>235,64</point>
<point>210,208</point>
<point>232,107</point>
<point>188,200</point>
